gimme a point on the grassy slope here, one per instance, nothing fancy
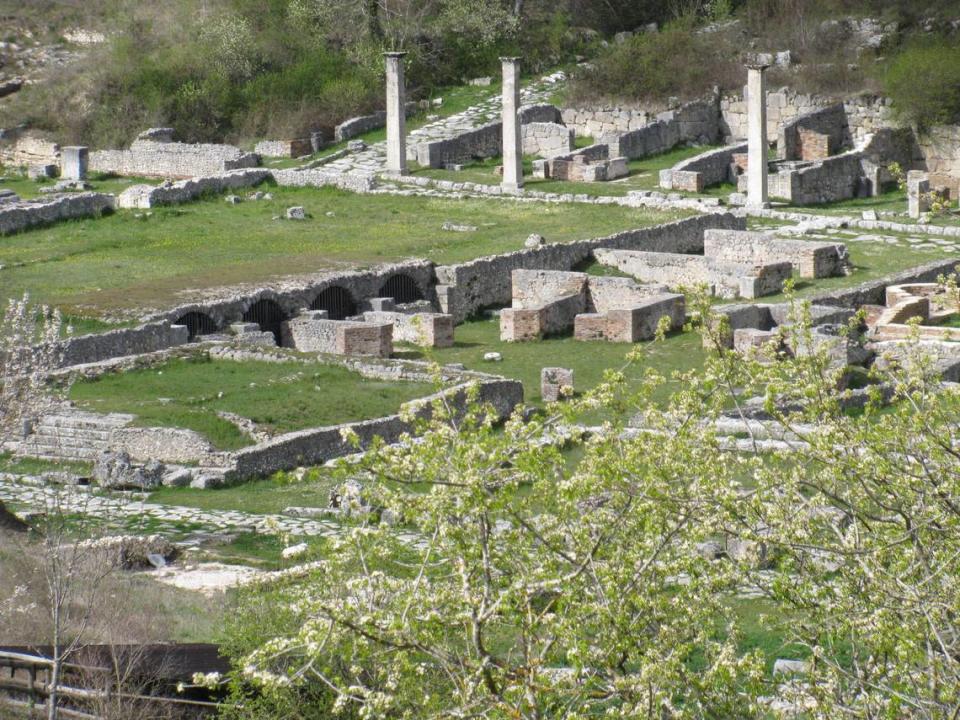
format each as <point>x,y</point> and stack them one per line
<point>279,397</point>
<point>124,261</point>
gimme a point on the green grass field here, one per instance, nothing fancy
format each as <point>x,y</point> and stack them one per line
<point>122,261</point>
<point>279,397</point>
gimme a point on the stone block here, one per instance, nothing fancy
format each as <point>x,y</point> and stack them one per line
<point>555,383</point>
<point>382,304</point>
<point>687,180</point>
<point>521,325</point>
<point>73,163</point>
<point>296,213</point>
<point>590,326</point>
<point>369,339</point>
<point>42,172</point>
<point>747,340</point>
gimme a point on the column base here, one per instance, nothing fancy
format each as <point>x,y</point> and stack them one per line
<point>511,188</point>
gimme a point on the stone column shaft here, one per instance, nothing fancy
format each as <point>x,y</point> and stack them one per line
<point>757,145</point>
<point>512,144</point>
<point>396,114</point>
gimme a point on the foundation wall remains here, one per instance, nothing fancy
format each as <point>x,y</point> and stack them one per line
<point>836,178</point>
<point>710,168</point>
<point>830,121</point>
<point>485,282</point>
<point>811,259</point>
<point>25,149</point>
<point>147,338</point>
<point>316,446</point>
<point>423,328</point>
<point>540,114</point>
<point>338,337</point>
<point>155,155</point>
<point>482,142</point>
<point>23,214</point>
<point>174,193</point>
<point>316,177</point>
<point>365,123</point>
<point>284,148</point>
<point>695,122</point>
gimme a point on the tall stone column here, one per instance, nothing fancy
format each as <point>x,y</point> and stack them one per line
<point>396,114</point>
<point>757,145</point>
<point>512,144</point>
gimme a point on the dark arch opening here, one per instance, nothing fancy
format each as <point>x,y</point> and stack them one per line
<point>402,288</point>
<point>337,301</point>
<point>197,323</point>
<point>268,315</point>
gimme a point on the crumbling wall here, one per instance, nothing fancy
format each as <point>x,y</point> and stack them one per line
<point>310,333</point>
<point>23,214</point>
<point>28,148</point>
<point>485,282</point>
<point>811,259</point>
<point>284,148</point>
<point>361,124</point>
<point>540,114</point>
<point>317,177</point>
<point>153,154</point>
<point>482,142</point>
<point>694,122</point>
<point>836,178</point>
<point>710,168</point>
<point>830,121</point>
<point>174,193</point>
<point>546,140</point>
<point>425,329</point>
<point>147,338</point>
<point>316,446</point>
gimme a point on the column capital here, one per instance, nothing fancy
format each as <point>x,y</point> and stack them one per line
<point>756,66</point>
<point>395,54</point>
<point>508,59</point>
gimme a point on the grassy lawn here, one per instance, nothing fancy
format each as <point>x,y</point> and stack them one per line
<point>32,466</point>
<point>268,496</point>
<point>122,261</point>
<point>28,189</point>
<point>279,397</point>
<point>588,360</point>
<point>644,175</point>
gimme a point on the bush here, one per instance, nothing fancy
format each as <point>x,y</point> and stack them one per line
<point>924,83</point>
<point>652,67</point>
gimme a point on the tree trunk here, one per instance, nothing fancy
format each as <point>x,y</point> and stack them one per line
<point>373,19</point>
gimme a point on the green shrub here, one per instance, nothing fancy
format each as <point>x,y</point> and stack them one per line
<point>923,80</point>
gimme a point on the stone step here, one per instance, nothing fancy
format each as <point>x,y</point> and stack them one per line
<point>85,420</point>
<point>73,433</point>
<point>84,449</point>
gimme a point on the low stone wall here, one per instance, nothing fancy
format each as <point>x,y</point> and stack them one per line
<point>873,292</point>
<point>695,122</point>
<point>284,148</point>
<point>25,149</point>
<point>482,142</point>
<point>423,328</point>
<point>317,177</point>
<point>23,214</point>
<point>147,338</point>
<point>727,279</point>
<point>174,193</point>
<point>830,121</point>
<point>811,259</point>
<point>485,282</point>
<point>318,445</point>
<point>546,140</point>
<point>365,123</point>
<point>150,158</point>
<point>313,333</point>
<point>833,179</point>
<point>710,168</point>
<point>540,114</point>
<point>599,121</point>
<point>165,444</point>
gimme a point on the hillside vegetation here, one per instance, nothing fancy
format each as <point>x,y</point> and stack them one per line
<point>237,70</point>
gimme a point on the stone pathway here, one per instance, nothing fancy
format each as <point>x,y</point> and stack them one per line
<point>373,160</point>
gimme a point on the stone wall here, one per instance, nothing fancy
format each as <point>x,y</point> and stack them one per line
<point>365,123</point>
<point>540,114</point>
<point>710,168</point>
<point>423,328</point>
<point>546,140</point>
<point>600,121</point>
<point>873,292</point>
<point>830,121</point>
<point>174,193</point>
<point>485,282</point>
<point>695,122</point>
<point>811,259</point>
<point>153,158</point>
<point>864,114</point>
<point>318,445</point>
<point>147,338</point>
<point>165,444</point>
<point>23,214</point>
<point>836,178</point>
<point>940,146</point>
<point>284,148</point>
<point>311,333</point>
<point>483,142</point>
<point>361,285</point>
<point>726,279</point>
<point>317,177</point>
<point>28,149</point>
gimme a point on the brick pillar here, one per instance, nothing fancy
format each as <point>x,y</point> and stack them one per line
<point>512,144</point>
<point>396,114</point>
<point>757,145</point>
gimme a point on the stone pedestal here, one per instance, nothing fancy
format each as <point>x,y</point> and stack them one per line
<point>512,140</point>
<point>396,115</point>
<point>555,383</point>
<point>757,145</point>
<point>918,189</point>
<point>74,163</point>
